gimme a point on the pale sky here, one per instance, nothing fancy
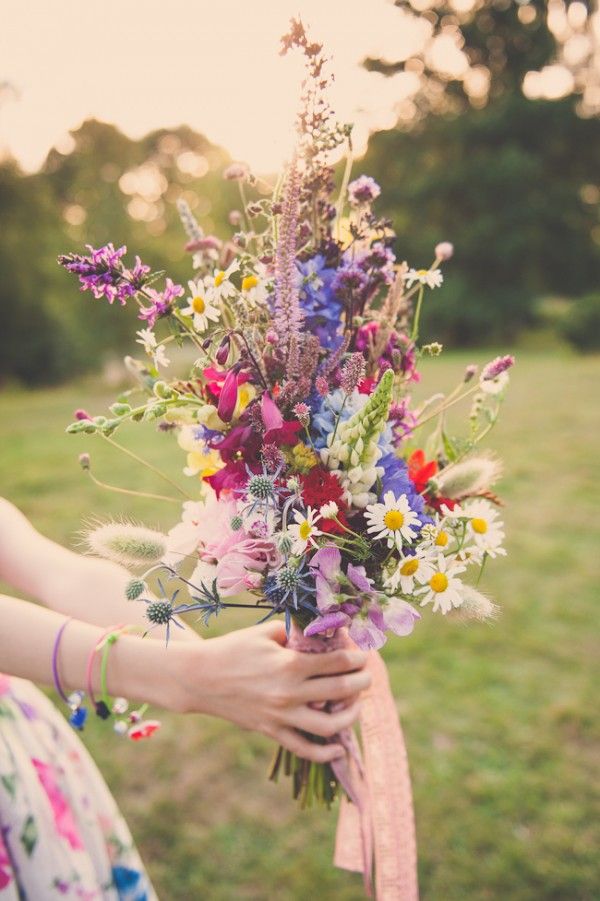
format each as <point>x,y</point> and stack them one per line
<point>215,66</point>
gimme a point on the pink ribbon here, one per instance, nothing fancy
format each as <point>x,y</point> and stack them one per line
<point>378,821</point>
<point>382,814</point>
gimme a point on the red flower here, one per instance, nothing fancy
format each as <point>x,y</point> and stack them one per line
<point>319,486</point>
<point>277,430</point>
<point>143,730</point>
<point>420,472</point>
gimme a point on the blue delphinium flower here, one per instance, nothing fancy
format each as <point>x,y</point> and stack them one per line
<point>322,309</point>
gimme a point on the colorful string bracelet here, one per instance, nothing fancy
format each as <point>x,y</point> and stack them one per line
<point>74,701</point>
<point>135,727</point>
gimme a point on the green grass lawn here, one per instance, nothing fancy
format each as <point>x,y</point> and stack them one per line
<point>499,719</point>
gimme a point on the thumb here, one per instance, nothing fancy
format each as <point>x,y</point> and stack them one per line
<point>275,630</point>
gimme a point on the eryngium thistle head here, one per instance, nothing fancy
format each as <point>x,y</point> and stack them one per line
<point>134,589</point>
<point>261,487</point>
<point>472,475</point>
<point>126,543</point>
<point>159,613</point>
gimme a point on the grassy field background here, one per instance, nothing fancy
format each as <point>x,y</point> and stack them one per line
<point>499,719</point>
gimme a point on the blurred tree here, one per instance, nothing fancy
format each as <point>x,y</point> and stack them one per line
<point>106,188</point>
<point>511,181</point>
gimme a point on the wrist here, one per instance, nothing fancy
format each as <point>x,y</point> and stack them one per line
<point>145,669</point>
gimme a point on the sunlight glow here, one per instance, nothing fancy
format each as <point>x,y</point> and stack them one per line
<point>213,66</point>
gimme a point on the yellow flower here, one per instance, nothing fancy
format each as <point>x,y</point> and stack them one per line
<point>302,458</point>
<point>249,282</point>
<point>246,393</point>
<point>201,460</point>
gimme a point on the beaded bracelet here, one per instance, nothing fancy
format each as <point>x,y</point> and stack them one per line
<point>74,701</point>
<point>135,727</point>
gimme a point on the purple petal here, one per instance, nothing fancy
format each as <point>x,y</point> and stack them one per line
<point>358,577</point>
<point>366,635</point>
<point>328,560</point>
<point>325,595</point>
<point>375,614</point>
<point>327,622</point>
<point>399,617</point>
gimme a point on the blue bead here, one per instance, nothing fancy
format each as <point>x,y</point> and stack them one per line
<point>78,717</point>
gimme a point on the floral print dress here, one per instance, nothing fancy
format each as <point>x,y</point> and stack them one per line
<point>61,834</point>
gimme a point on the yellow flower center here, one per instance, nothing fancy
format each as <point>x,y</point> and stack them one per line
<point>422,272</point>
<point>479,525</point>
<point>219,276</point>
<point>305,530</point>
<point>410,567</point>
<point>442,539</point>
<point>439,582</point>
<point>394,520</point>
<point>250,281</point>
<point>198,304</point>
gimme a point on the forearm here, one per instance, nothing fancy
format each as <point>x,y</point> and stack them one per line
<point>140,669</point>
<point>83,587</point>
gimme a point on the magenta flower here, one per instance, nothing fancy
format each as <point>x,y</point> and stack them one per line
<point>160,302</point>
<point>64,820</point>
<point>228,396</point>
<point>277,430</point>
<point>497,367</point>
<point>102,272</point>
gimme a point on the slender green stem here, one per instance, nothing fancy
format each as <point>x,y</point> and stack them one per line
<point>416,320</point>
<point>339,417</point>
<point>149,466</point>
<point>130,491</point>
<point>343,189</point>
<point>445,406</point>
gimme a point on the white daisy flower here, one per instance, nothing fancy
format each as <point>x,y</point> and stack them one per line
<point>443,589</point>
<point>201,305</point>
<point>411,570</point>
<point>147,339</point>
<point>160,357</point>
<point>433,278</point>
<point>393,520</point>
<point>304,530</point>
<point>329,510</point>
<point>222,287</point>
<point>485,528</point>
<point>256,286</point>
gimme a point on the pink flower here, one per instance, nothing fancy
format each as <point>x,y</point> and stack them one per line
<point>444,250</point>
<point>240,568</point>
<point>64,820</point>
<point>143,730</point>
<point>228,396</point>
<point>277,430</point>
<point>5,865</point>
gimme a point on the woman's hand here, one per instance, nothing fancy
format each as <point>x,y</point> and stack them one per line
<point>252,679</point>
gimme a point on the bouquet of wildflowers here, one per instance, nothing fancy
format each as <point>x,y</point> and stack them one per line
<point>317,496</point>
